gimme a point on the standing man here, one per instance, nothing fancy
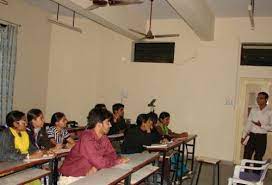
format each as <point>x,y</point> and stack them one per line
<point>118,122</point>
<point>258,124</point>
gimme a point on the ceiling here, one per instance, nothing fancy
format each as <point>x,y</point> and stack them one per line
<point>238,8</point>
<point>161,9</point>
<point>220,8</point>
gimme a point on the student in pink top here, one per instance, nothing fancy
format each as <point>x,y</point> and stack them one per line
<point>93,151</point>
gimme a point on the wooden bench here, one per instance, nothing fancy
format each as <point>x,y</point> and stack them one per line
<point>23,177</point>
<point>142,174</point>
<point>211,161</point>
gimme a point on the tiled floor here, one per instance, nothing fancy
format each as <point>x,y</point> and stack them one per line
<point>226,171</point>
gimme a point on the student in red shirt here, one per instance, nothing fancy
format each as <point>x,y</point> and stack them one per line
<point>93,151</point>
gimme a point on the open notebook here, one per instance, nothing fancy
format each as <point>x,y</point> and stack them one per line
<point>158,145</point>
<point>42,158</point>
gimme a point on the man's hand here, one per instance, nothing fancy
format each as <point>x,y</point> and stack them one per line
<point>91,171</point>
<point>257,123</point>
<point>184,134</point>
<point>122,160</point>
<point>242,140</point>
<point>164,141</point>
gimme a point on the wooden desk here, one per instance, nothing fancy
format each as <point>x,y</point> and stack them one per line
<point>80,128</point>
<point>24,176</point>
<point>108,176</point>
<point>177,144</point>
<point>138,160</point>
<point>137,163</point>
<point>116,137</point>
<point>7,168</point>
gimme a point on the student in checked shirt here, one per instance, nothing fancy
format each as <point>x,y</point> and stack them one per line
<point>58,133</point>
<point>93,151</point>
<point>258,124</point>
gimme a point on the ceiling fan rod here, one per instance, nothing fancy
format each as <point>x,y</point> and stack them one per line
<point>150,16</point>
<point>74,16</point>
<point>58,12</point>
<point>62,24</point>
<point>251,8</point>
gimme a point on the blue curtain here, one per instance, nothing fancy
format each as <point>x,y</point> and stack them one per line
<point>8,49</point>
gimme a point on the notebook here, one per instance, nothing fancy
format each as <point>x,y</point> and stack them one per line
<point>42,158</point>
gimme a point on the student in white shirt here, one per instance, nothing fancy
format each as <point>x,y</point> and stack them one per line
<point>258,124</point>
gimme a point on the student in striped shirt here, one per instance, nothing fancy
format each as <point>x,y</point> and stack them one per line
<point>58,133</point>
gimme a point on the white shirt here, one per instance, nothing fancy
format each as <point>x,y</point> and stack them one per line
<point>265,118</point>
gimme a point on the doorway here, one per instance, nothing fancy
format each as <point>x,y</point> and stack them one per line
<point>248,90</point>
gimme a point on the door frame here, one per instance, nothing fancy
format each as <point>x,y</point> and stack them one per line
<point>240,109</point>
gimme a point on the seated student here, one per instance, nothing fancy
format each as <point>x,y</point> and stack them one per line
<point>162,127</point>
<point>14,140</point>
<point>167,134</point>
<point>136,137</point>
<point>100,106</point>
<point>118,122</point>
<point>58,133</point>
<point>93,151</point>
<point>155,135</point>
<point>37,131</point>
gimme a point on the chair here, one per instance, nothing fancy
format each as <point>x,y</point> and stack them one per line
<point>244,175</point>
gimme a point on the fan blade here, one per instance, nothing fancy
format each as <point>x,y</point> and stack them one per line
<point>124,2</point>
<point>92,7</point>
<point>137,32</point>
<point>166,35</point>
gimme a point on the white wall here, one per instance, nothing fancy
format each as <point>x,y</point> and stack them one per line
<point>96,67</point>
<point>32,56</point>
<point>196,89</point>
<point>74,71</point>
<point>192,90</point>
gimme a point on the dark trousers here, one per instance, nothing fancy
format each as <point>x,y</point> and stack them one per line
<point>257,145</point>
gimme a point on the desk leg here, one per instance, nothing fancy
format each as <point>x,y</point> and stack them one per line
<point>163,166</point>
<point>193,155</point>
<point>127,180</point>
<point>51,176</point>
<point>175,177</point>
<point>55,171</point>
<point>182,161</point>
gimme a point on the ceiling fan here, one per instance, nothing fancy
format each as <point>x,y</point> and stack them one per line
<point>149,34</point>
<point>103,3</point>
